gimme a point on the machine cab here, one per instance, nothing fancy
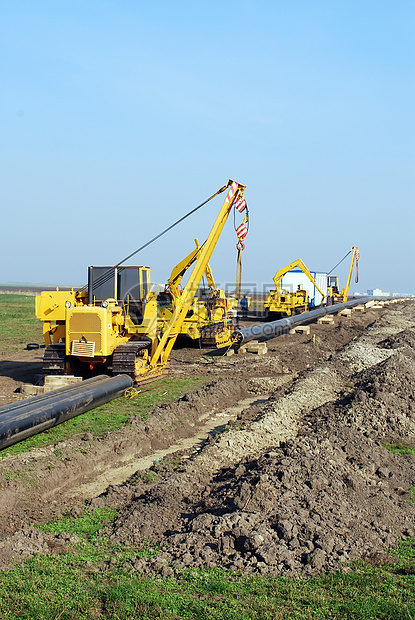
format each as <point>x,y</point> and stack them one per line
<point>333,284</point>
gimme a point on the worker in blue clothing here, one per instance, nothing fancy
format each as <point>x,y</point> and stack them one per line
<point>244,306</point>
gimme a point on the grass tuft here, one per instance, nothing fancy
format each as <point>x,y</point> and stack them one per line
<point>399,448</point>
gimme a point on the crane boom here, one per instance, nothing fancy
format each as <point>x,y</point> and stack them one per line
<point>355,257</point>
<point>180,269</point>
<point>183,302</point>
<point>298,263</point>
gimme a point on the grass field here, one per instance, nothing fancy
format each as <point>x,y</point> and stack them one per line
<point>18,324</point>
<point>93,580</point>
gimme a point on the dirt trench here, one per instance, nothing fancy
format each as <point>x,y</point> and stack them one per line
<point>267,493</point>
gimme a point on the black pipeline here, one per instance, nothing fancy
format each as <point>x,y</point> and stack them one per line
<point>36,414</point>
<point>266,331</point>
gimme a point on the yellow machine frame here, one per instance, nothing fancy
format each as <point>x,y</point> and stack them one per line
<point>280,301</point>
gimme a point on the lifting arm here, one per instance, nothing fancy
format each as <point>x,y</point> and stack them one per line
<point>180,269</point>
<point>298,263</point>
<point>201,257</point>
<point>355,257</point>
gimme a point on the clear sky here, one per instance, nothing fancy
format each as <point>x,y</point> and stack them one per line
<point>118,117</point>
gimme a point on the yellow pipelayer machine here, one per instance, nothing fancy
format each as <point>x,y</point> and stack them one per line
<point>282,302</point>
<point>114,326</point>
<point>334,295</point>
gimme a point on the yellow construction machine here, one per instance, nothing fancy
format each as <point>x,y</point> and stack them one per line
<point>334,295</point>
<point>282,302</point>
<point>211,316</point>
<point>115,325</point>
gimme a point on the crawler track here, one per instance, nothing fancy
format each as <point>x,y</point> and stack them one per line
<point>54,360</point>
<point>125,356</point>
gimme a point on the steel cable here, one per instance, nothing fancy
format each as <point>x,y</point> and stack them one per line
<point>101,279</point>
<point>344,258</point>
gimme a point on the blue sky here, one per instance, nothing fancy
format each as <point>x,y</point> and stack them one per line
<point>119,117</point>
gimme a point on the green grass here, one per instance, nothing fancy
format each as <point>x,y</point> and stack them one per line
<point>18,324</point>
<point>113,415</point>
<point>85,526</point>
<point>399,448</point>
<point>92,581</point>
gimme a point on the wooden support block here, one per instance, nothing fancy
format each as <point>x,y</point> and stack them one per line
<point>369,304</point>
<point>345,312</point>
<point>377,307</point>
<point>244,348</point>
<point>53,382</point>
<point>27,390</point>
<point>260,348</point>
<point>328,320</point>
<point>300,329</point>
<point>359,308</point>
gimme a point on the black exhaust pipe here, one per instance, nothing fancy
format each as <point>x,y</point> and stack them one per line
<point>36,414</point>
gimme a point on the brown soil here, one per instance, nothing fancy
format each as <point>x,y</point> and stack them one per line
<point>297,481</point>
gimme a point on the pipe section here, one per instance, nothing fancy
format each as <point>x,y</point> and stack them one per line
<point>36,414</point>
<point>266,331</point>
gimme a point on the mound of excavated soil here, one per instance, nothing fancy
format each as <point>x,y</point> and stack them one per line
<point>330,494</point>
<point>46,482</point>
<point>384,399</point>
<point>405,339</point>
<point>307,505</point>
